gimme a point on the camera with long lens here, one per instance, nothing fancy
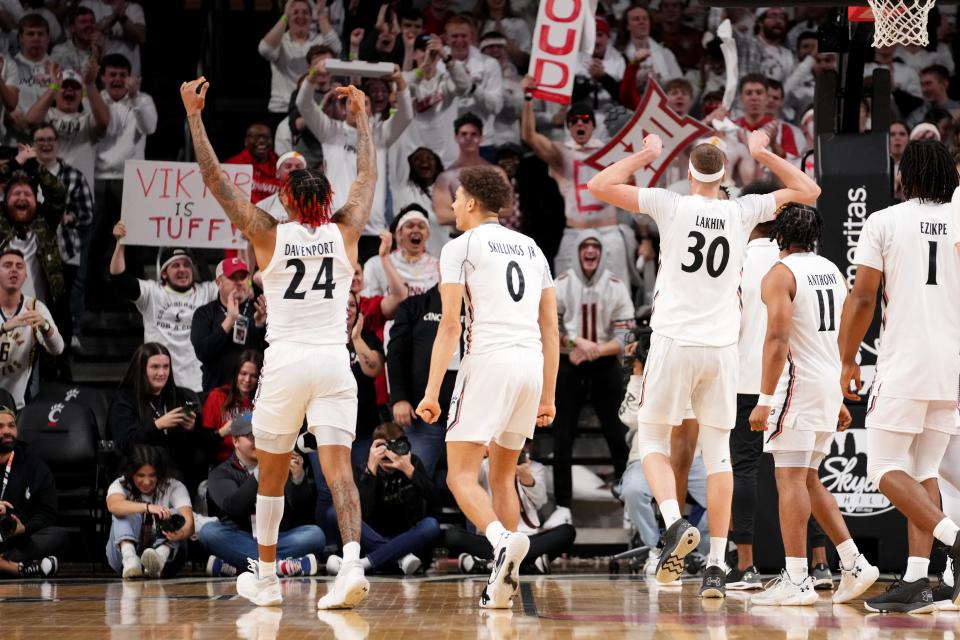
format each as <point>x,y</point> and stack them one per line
<point>172,524</point>
<point>639,335</point>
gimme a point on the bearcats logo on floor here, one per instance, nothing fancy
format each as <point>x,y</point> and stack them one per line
<point>844,474</point>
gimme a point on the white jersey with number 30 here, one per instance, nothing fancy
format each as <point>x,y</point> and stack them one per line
<point>306,285</point>
<point>702,249</point>
<point>503,273</point>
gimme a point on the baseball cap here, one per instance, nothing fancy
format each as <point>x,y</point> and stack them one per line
<point>229,266</point>
<point>603,26</point>
<point>509,148</point>
<point>72,76</point>
<point>241,425</point>
<point>168,255</point>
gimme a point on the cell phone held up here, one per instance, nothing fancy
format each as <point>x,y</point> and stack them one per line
<point>190,407</point>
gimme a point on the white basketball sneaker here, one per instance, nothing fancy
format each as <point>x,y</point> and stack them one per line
<point>349,588</point>
<point>855,581</point>
<point>504,581</point>
<point>782,592</point>
<point>263,592</point>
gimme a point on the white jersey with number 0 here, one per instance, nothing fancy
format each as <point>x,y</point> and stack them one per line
<point>809,378</point>
<point>913,245</point>
<point>503,273</point>
<point>306,285</point>
<point>702,248</point>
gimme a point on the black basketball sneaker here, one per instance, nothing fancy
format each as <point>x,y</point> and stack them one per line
<point>679,540</point>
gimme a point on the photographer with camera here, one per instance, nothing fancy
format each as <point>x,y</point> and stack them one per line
<point>595,314</point>
<point>28,508</point>
<point>152,517</point>
<point>232,488</point>
<point>397,500</point>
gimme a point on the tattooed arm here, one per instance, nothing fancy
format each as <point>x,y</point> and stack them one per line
<point>352,216</point>
<point>257,225</point>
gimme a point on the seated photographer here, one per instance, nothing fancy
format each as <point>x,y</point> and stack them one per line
<point>397,499</point>
<point>28,509</point>
<point>152,517</point>
<point>151,409</point>
<point>545,543</point>
<point>232,488</point>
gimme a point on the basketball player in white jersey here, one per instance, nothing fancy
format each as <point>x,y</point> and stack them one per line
<point>800,407</point>
<point>908,248</point>
<point>307,269</point>
<point>506,383</point>
<point>695,321</point>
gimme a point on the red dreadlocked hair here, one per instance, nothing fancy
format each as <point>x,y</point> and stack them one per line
<point>308,194</point>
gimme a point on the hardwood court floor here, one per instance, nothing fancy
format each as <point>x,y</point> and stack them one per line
<point>559,606</point>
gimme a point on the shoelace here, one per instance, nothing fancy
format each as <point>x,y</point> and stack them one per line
<point>293,566</point>
<point>254,567</point>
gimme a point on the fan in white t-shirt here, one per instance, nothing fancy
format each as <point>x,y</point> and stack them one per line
<point>693,356</point>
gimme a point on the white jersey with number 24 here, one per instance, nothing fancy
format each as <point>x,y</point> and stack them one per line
<point>306,285</point>
<point>503,273</point>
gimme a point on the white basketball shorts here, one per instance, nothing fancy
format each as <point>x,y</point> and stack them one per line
<point>300,380</point>
<point>905,415</point>
<point>815,445</point>
<point>496,397</point>
<point>676,377</point>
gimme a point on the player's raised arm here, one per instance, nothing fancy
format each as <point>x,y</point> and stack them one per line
<point>610,185</point>
<point>777,290</point>
<point>448,339</point>
<point>256,224</point>
<point>798,186</point>
<point>352,216</point>
<point>550,337</point>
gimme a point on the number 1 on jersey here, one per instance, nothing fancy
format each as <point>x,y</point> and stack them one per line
<point>325,273</point>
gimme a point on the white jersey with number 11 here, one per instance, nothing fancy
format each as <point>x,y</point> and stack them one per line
<point>503,273</point>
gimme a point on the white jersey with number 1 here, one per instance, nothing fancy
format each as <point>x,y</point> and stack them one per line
<point>503,273</point>
<point>912,243</point>
<point>702,248</point>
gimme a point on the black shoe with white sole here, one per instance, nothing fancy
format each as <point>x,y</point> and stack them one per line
<point>904,597</point>
<point>679,540</point>
<point>714,583</point>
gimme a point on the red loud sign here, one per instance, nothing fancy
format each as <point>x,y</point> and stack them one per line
<point>556,46</point>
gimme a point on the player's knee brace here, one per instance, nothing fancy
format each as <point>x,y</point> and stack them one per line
<point>884,457</point>
<point>274,442</point>
<point>715,447</point>
<point>651,438</point>
<point>931,447</point>
<point>510,440</point>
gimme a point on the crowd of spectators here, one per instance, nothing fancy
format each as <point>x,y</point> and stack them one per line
<point>72,112</point>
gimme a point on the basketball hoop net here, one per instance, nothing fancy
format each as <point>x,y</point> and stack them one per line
<point>896,21</point>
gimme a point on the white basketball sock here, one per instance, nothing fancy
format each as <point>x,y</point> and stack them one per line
<point>916,568</point>
<point>670,510</point>
<point>494,530</point>
<point>797,569</point>
<point>351,552</point>
<point>946,531</point>
<point>848,553</point>
<point>718,552</point>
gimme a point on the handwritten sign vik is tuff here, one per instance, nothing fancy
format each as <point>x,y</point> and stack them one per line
<point>166,204</point>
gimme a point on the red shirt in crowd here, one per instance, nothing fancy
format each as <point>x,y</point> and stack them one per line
<point>215,417</point>
<point>373,319</point>
<point>265,181</point>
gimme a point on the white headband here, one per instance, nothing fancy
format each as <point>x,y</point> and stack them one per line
<point>288,155</point>
<point>413,214</point>
<point>705,177</point>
